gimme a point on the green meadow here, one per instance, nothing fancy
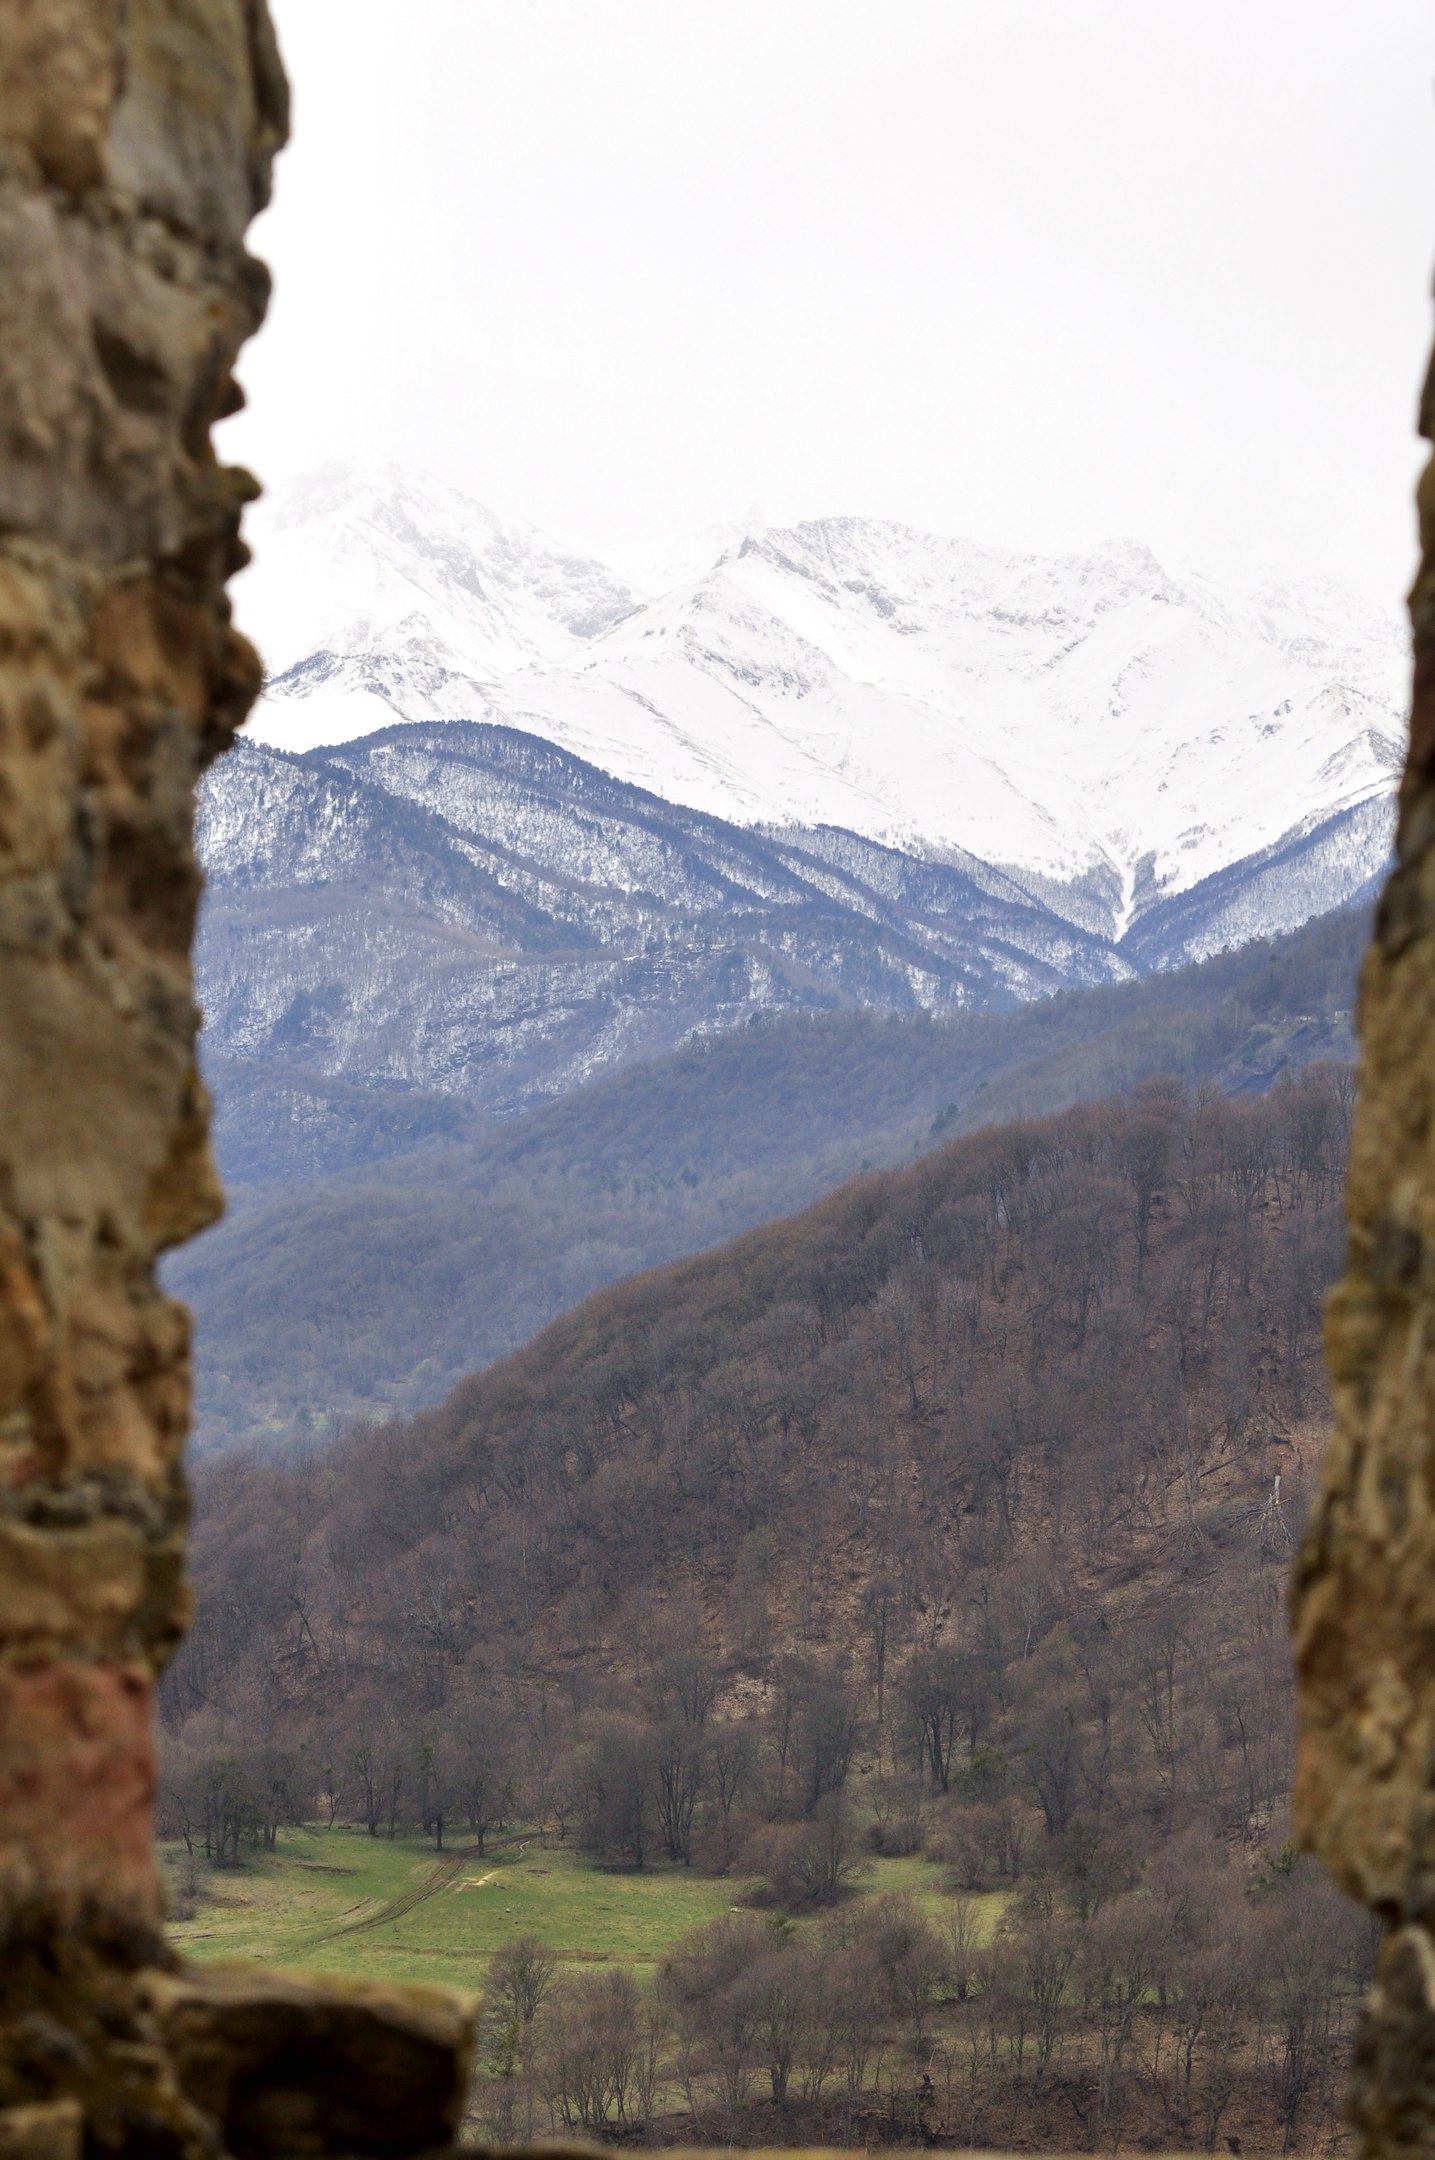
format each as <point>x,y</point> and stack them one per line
<point>338,1901</point>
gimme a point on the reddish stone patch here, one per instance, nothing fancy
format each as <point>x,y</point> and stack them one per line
<point>77,1780</point>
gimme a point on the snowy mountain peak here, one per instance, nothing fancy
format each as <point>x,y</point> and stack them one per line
<point>1108,730</point>
<point>357,557</point>
<point>656,567</point>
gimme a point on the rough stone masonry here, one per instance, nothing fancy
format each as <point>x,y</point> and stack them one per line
<point>136,138</point>
<point>1364,1592</point>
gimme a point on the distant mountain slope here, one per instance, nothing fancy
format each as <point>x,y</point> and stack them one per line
<point>383,1240</point>
<point>466,910</point>
<point>1114,735</point>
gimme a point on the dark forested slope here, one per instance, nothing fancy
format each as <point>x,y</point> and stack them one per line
<point>381,1245</point>
<point>1058,1355</point>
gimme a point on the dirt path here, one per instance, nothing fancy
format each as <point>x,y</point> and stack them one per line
<point>439,1877</point>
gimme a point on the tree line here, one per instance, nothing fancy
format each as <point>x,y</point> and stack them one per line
<point>1198,2010</point>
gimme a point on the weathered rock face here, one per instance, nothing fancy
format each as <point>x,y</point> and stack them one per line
<point>135,144</point>
<point>1364,1591</point>
<point>284,2066</point>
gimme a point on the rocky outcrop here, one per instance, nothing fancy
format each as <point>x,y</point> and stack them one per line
<point>1364,1590</point>
<point>285,2066</point>
<point>135,144</point>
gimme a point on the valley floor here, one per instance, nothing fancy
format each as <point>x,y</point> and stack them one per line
<point>1066,2079</point>
<point>338,1901</point>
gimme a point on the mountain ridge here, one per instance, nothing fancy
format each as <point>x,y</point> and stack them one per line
<point>463,907</point>
<point>1109,733</point>
<point>381,1241</point>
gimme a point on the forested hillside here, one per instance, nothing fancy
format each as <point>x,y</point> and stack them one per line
<point>949,1518</point>
<point>380,1245</point>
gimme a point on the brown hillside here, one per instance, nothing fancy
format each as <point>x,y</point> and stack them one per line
<point>1048,1379</point>
<point>950,1517</point>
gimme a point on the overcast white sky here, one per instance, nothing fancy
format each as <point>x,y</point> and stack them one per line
<point>1037,271</point>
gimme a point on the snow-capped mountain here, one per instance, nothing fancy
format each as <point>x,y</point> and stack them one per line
<point>559,826</point>
<point>371,598</point>
<point>656,566</point>
<point>463,910</point>
<point>1164,761</point>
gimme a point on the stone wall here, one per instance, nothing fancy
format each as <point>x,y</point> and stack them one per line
<point>1364,1590</point>
<point>136,138</point>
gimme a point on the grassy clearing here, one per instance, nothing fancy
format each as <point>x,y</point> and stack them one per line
<point>339,1901</point>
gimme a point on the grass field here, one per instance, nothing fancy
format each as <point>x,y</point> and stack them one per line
<point>339,1901</point>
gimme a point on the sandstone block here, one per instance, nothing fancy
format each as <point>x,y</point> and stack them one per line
<point>119,340</point>
<point>60,64</point>
<point>300,2067</point>
<point>67,1592</point>
<point>77,1781</point>
<point>204,108</point>
<point>1392,2099</point>
<point>53,2130</point>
